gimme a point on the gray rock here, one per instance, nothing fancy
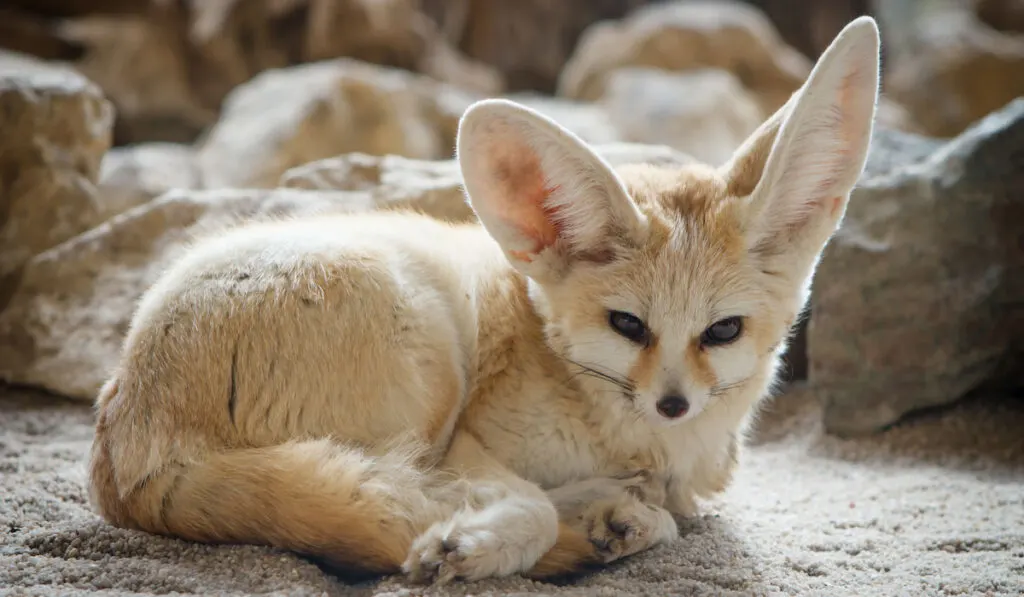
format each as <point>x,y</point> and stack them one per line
<point>56,127</point>
<point>682,36</point>
<point>954,69</point>
<point>135,174</point>
<point>920,297</point>
<point>287,117</point>
<point>589,121</point>
<point>706,113</point>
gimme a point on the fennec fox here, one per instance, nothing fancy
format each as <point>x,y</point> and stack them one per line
<point>538,393</point>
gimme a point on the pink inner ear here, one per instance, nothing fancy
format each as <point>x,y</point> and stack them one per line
<point>524,196</point>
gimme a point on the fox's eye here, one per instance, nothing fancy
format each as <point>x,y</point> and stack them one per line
<point>630,326</point>
<point>722,332</point>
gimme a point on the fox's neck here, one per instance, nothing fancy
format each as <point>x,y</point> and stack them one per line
<point>511,337</point>
<point>512,342</point>
<point>508,322</point>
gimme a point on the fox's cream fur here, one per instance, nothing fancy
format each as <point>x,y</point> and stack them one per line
<point>388,392</point>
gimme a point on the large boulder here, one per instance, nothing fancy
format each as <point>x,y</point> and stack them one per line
<point>954,70</point>
<point>389,182</point>
<point>135,174</point>
<point>230,41</point>
<point>56,127</point>
<point>65,317</point>
<point>682,36</point>
<point>168,64</point>
<point>919,299</point>
<point>590,121</point>
<point>287,117</point>
<point>706,113</point>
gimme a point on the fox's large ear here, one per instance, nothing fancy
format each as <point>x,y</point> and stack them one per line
<point>540,192</point>
<point>800,166</point>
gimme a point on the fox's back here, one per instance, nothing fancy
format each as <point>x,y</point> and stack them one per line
<point>361,326</point>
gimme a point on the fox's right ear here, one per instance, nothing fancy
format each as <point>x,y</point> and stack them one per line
<point>547,199</point>
<point>798,169</point>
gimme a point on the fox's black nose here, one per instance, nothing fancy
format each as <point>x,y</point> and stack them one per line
<point>673,406</point>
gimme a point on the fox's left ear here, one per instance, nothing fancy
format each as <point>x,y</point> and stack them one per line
<point>801,165</point>
<point>549,200</point>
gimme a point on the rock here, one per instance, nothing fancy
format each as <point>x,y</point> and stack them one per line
<point>65,318</point>
<point>955,71</point>
<point>589,121</point>
<point>168,64</point>
<point>390,182</point>
<point>391,33</point>
<point>344,106</point>
<point>706,113</point>
<point>136,174</point>
<point>231,41</point>
<point>433,186</point>
<point>527,41</point>
<point>682,36</point>
<point>919,299</point>
<point>621,154</point>
<point>139,65</point>
<point>56,127</point>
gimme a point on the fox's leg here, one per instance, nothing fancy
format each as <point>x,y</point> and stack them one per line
<point>619,516</point>
<point>710,475</point>
<point>503,525</point>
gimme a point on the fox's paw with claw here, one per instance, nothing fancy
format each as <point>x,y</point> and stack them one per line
<point>470,547</point>
<point>626,525</point>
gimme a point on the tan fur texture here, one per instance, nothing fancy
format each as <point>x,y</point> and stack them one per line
<point>392,393</point>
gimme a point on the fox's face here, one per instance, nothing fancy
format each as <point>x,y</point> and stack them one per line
<point>683,314</point>
<point>672,289</point>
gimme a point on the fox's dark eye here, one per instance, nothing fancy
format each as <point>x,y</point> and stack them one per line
<point>630,326</point>
<point>722,332</point>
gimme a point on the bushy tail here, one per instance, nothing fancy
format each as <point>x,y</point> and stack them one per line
<point>356,512</point>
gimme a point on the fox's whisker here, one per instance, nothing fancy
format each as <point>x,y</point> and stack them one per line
<point>591,371</point>
<point>722,389</point>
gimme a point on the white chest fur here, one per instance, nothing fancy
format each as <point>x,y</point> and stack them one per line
<point>557,436</point>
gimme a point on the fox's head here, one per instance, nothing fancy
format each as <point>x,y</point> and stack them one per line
<point>676,287</point>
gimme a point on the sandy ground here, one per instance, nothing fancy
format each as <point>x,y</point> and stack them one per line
<point>932,507</point>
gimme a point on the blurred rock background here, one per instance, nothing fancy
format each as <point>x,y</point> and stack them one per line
<point>129,125</point>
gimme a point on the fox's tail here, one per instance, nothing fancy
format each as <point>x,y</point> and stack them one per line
<point>358,513</point>
<point>315,497</point>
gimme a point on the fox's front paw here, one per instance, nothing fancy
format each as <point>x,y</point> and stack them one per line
<point>626,525</point>
<point>470,547</point>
